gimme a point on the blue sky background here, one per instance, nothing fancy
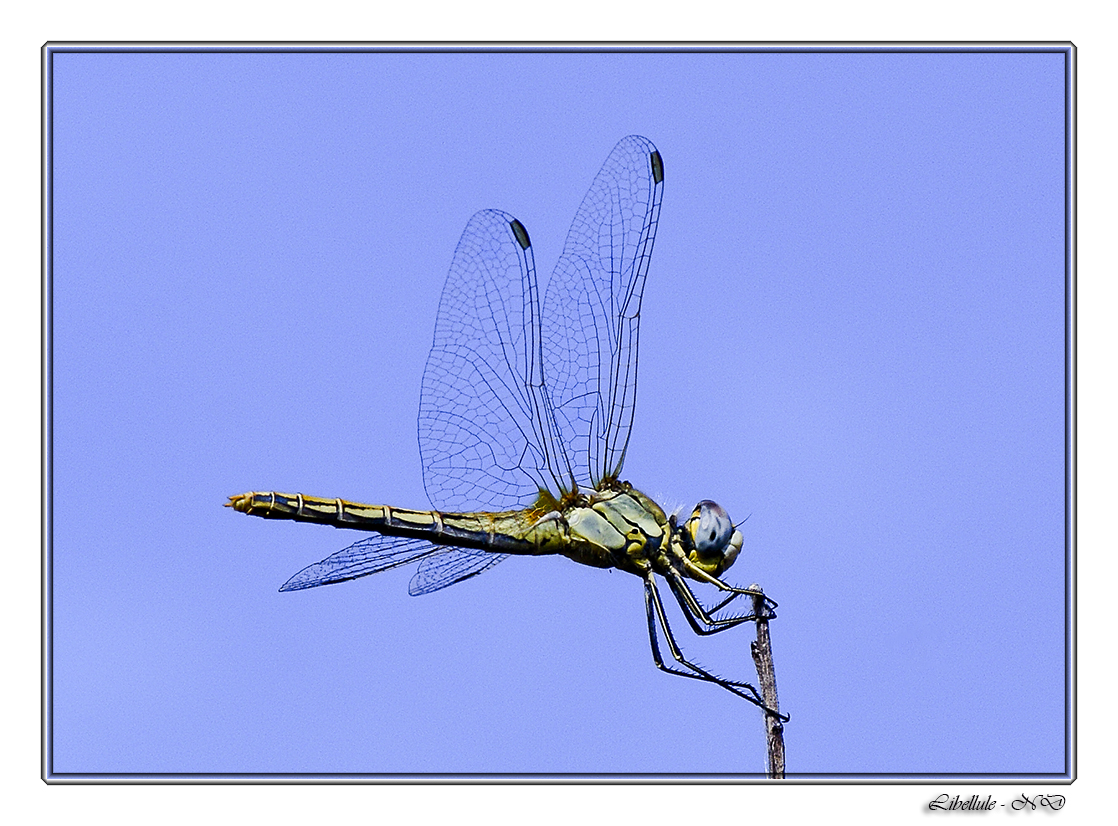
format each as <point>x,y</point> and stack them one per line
<point>852,333</point>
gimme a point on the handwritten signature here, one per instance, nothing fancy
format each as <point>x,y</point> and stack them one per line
<point>974,803</point>
<point>1051,801</point>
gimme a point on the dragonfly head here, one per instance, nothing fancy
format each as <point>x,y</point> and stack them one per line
<point>714,544</point>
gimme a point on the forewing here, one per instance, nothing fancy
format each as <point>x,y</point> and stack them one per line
<point>485,431</point>
<point>369,556</point>
<point>591,315</point>
<point>453,565</point>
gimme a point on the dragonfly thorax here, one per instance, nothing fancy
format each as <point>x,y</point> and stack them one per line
<point>617,527</point>
<point>622,528</point>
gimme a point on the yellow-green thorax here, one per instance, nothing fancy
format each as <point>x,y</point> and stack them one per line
<point>622,528</point>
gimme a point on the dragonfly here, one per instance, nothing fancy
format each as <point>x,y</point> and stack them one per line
<point>524,424</point>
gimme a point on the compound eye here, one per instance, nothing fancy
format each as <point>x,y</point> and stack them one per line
<point>710,528</point>
<point>734,550</point>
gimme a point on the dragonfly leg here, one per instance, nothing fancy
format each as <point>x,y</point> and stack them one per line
<point>715,609</point>
<point>701,619</point>
<point>654,608</point>
<point>735,592</point>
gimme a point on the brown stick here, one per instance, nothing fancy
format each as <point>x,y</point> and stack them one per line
<point>763,658</point>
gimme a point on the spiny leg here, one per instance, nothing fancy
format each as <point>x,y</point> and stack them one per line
<point>695,613</point>
<point>654,608</point>
<point>724,603</point>
<point>734,591</point>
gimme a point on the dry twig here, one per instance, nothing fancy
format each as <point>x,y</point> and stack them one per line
<point>766,674</point>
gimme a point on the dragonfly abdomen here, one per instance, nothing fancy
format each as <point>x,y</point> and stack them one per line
<point>483,531</point>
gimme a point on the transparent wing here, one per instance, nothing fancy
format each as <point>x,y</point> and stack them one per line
<point>486,434</point>
<point>592,310</point>
<point>491,433</point>
<point>369,556</point>
<point>453,565</point>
